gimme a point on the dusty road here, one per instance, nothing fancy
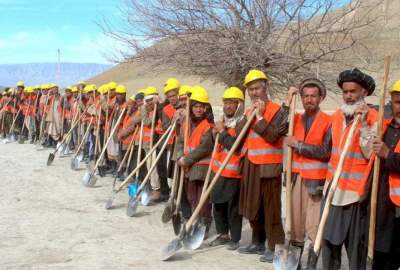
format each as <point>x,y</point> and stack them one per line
<point>50,221</point>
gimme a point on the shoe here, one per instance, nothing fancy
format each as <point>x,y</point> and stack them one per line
<point>232,245</point>
<point>252,249</point>
<point>268,256</point>
<point>219,241</point>
<point>156,196</point>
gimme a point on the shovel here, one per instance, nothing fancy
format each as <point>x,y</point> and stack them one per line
<point>89,179</point>
<point>78,156</point>
<point>375,179</point>
<point>51,157</point>
<point>11,137</point>
<point>175,245</point>
<point>144,192</point>
<point>332,189</point>
<point>195,237</point>
<point>111,198</point>
<point>21,138</point>
<point>170,207</point>
<point>286,257</point>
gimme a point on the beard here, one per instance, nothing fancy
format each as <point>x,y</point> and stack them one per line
<point>348,109</point>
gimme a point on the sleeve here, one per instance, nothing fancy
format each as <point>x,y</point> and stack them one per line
<point>277,128</point>
<point>227,140</point>
<point>392,163</point>
<point>367,134</point>
<point>321,152</point>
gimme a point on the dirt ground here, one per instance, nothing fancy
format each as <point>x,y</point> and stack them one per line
<point>49,220</point>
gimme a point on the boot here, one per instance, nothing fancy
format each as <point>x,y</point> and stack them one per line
<point>312,259</point>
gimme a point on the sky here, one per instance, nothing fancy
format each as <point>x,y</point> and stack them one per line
<point>33,30</point>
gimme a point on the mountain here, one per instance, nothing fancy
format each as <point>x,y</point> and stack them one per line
<point>38,73</point>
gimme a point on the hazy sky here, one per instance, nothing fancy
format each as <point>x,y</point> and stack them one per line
<point>33,30</point>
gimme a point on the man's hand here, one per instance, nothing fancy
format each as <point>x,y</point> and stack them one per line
<point>219,126</point>
<point>292,141</point>
<point>259,106</point>
<point>291,92</point>
<point>363,110</point>
<point>380,148</point>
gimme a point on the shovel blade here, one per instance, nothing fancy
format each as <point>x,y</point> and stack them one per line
<point>167,213</point>
<point>173,247</point>
<point>21,139</point>
<point>50,159</point>
<point>74,163</point>
<point>195,237</point>
<point>89,180</point>
<point>132,207</point>
<point>177,223</point>
<point>286,257</point>
<point>145,197</point>
<point>109,202</point>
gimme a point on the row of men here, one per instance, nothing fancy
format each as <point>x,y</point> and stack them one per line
<point>250,185</point>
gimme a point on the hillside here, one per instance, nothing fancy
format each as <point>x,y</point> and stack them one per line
<point>38,73</point>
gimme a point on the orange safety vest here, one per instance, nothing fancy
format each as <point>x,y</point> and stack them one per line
<point>394,178</point>
<point>169,111</point>
<point>195,140</point>
<point>311,168</point>
<point>147,130</point>
<point>356,167</point>
<point>260,151</point>
<point>128,119</point>
<point>232,168</point>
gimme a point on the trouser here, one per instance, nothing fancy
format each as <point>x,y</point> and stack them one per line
<point>193,190</point>
<point>268,222</point>
<point>305,212</point>
<point>389,260</point>
<point>227,218</point>
<point>143,170</point>
<point>162,172</point>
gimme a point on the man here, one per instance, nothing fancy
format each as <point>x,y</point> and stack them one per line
<point>52,118</point>
<point>387,231</point>
<point>225,195</point>
<point>260,192</point>
<point>311,144</point>
<point>348,213</point>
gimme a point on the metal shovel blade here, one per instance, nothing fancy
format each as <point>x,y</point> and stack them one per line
<point>89,180</point>
<point>109,202</point>
<point>173,247</point>
<point>286,257</point>
<point>21,139</point>
<point>195,237</point>
<point>79,157</point>
<point>177,223</point>
<point>167,213</point>
<point>145,197</point>
<point>66,151</point>
<point>132,207</point>
<point>50,159</point>
<point>74,163</point>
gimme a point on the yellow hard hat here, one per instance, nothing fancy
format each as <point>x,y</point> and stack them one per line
<point>100,89</point>
<point>142,91</point>
<point>68,88</point>
<point>132,98</point>
<point>254,75</point>
<point>185,90</point>
<point>81,82</point>
<point>74,89</point>
<point>45,86</point>
<point>89,88</point>
<point>29,89</point>
<point>52,85</point>
<point>199,94</point>
<point>112,85</point>
<point>395,87</point>
<point>20,83</point>
<point>121,89</point>
<point>171,84</point>
<point>151,90</point>
<point>233,93</point>
<point>36,87</point>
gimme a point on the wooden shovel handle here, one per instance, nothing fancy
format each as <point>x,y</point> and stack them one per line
<point>139,155</point>
<point>289,170</point>
<point>128,150</point>
<point>132,147</point>
<point>375,178</point>
<point>203,199</point>
<point>207,180</point>
<point>332,189</point>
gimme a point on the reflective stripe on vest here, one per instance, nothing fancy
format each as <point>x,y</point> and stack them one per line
<point>260,151</point>
<point>195,140</point>
<point>311,168</point>
<point>355,170</point>
<point>232,168</point>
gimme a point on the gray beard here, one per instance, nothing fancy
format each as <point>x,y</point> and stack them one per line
<point>348,109</point>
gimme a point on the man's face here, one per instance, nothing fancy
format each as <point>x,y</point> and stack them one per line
<point>68,94</point>
<point>257,90</point>
<point>199,109</point>
<point>112,93</point>
<point>121,98</point>
<point>183,101</point>
<point>130,105</point>
<point>396,104</point>
<point>150,104</point>
<point>20,89</point>
<point>139,102</point>
<point>80,87</point>
<point>230,107</point>
<point>172,97</point>
<point>352,92</point>
<point>311,98</point>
